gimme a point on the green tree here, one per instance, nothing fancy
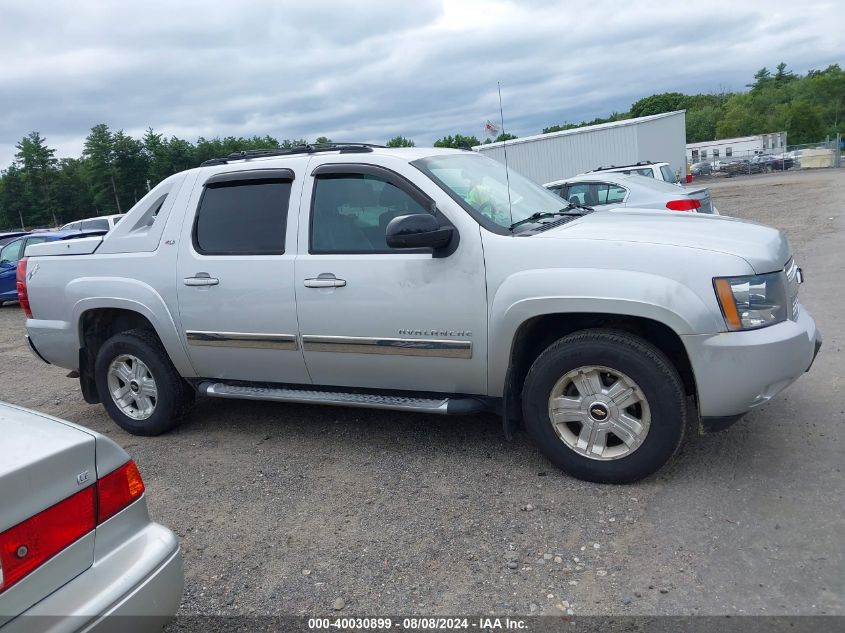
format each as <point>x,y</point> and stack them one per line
<point>761,78</point>
<point>98,153</point>
<point>38,164</point>
<point>560,128</point>
<point>322,140</point>
<point>15,208</point>
<point>783,75</point>
<point>73,196</point>
<point>803,122</point>
<point>130,169</point>
<point>458,141</point>
<point>658,104</point>
<point>399,141</point>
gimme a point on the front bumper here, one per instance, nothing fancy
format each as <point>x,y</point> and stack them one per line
<point>738,371</point>
<point>135,589</point>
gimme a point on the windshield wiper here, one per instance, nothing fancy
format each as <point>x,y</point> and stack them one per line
<point>575,205</point>
<point>540,215</point>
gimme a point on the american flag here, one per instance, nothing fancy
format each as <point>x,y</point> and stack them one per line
<point>490,128</point>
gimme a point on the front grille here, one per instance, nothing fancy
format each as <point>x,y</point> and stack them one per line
<point>792,284</point>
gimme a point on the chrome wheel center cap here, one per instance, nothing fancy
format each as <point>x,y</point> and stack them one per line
<point>599,412</point>
<point>134,386</point>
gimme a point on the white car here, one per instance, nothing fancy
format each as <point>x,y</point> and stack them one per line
<point>657,171</point>
<point>103,222</point>
<point>602,191</point>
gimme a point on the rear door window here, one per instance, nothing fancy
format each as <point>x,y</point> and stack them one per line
<point>593,194</point>
<point>246,217</point>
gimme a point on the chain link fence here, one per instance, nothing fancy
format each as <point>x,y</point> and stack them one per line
<point>826,153</point>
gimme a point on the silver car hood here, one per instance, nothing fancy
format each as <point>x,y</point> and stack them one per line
<point>764,248</point>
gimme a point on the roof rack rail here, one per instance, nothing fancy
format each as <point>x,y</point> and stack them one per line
<point>642,163</point>
<point>307,148</point>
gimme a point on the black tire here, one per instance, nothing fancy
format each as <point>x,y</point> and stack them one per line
<point>644,364</point>
<point>175,396</point>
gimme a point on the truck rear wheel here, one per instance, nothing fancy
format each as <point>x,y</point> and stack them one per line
<point>605,406</point>
<point>138,385</point>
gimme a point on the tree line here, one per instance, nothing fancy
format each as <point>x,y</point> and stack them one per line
<point>808,108</point>
<point>115,170</point>
<point>113,173</point>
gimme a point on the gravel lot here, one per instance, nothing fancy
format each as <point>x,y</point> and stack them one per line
<point>285,509</point>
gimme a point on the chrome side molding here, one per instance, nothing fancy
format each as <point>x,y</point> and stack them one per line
<point>242,339</point>
<point>387,346</point>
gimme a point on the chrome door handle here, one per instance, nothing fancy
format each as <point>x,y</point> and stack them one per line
<point>201,279</point>
<point>325,282</point>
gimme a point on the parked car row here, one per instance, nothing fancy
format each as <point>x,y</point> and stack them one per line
<point>758,164</point>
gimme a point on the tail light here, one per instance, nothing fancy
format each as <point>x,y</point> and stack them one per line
<point>28,545</point>
<point>687,204</point>
<point>117,490</point>
<point>23,295</point>
<point>42,536</point>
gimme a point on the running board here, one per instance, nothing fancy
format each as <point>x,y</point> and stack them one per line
<point>442,406</point>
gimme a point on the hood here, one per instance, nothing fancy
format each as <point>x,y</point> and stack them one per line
<point>764,248</point>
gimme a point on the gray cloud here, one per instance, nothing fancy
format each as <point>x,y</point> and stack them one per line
<point>375,68</point>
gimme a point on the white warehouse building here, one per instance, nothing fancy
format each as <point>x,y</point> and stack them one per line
<point>739,147</point>
<point>557,155</point>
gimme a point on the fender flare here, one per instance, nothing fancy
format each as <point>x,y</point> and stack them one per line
<point>93,293</point>
<point>531,294</point>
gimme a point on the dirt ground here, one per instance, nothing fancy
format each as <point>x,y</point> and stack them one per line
<point>284,509</point>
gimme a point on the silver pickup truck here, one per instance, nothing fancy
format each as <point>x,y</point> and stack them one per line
<point>424,280</point>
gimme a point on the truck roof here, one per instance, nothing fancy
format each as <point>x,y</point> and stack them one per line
<point>405,153</point>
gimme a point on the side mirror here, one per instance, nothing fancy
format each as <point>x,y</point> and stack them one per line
<point>418,230</point>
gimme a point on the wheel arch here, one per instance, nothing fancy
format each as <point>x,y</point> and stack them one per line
<point>98,321</point>
<point>537,333</point>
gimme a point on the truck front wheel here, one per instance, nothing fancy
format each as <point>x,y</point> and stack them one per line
<point>138,385</point>
<point>605,406</point>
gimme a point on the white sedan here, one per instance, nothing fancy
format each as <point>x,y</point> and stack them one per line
<point>602,191</point>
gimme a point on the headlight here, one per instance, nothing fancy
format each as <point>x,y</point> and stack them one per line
<point>752,302</point>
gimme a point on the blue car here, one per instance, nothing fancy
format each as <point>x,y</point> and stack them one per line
<point>14,250</point>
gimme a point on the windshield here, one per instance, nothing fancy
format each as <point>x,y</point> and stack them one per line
<point>480,185</point>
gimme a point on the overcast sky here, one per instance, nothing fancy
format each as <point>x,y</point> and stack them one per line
<point>370,69</point>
